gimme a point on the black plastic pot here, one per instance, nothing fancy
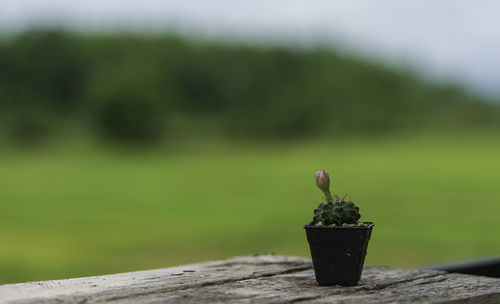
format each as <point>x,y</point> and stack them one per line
<point>338,252</point>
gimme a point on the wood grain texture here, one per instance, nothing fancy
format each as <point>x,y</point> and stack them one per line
<point>257,279</point>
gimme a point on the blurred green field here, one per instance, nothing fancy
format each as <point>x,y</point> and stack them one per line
<point>88,210</point>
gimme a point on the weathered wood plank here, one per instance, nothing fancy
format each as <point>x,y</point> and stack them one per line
<point>257,279</point>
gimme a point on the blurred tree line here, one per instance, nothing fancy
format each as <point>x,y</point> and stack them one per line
<point>149,88</point>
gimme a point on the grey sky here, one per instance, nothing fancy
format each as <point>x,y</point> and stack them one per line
<point>443,38</point>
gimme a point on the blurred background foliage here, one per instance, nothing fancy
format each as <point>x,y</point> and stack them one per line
<point>150,89</point>
<point>230,135</point>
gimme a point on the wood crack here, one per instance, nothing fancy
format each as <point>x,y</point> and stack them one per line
<point>370,287</point>
<point>389,284</point>
<point>204,284</point>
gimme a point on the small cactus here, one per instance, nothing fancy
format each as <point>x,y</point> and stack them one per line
<point>337,213</point>
<point>333,213</point>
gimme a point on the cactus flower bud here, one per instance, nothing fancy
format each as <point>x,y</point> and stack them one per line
<point>323,182</point>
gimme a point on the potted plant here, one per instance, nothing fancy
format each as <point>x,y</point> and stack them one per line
<point>337,240</point>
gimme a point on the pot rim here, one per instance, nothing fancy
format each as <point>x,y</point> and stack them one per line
<point>370,225</point>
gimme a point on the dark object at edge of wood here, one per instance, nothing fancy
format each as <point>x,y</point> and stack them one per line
<point>489,267</point>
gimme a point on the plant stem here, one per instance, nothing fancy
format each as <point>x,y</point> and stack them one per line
<point>328,195</point>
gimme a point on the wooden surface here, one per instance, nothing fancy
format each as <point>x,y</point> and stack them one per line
<point>257,279</point>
